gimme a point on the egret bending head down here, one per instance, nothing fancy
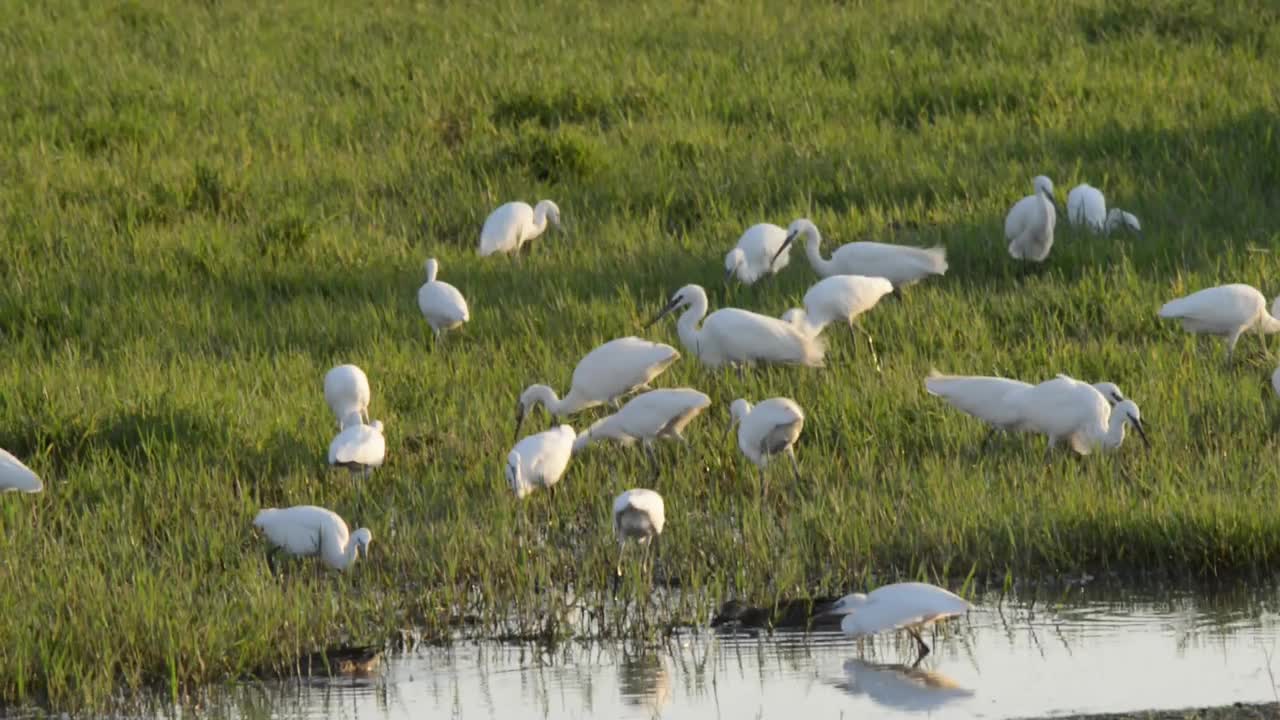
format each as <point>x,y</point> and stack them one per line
<point>508,228</point>
<point>307,530</point>
<point>737,337</point>
<point>901,265</point>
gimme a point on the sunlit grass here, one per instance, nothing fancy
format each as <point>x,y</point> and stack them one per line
<point>207,205</point>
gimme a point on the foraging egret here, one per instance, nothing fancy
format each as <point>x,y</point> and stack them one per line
<point>358,447</point>
<point>984,398</point>
<point>638,514</point>
<point>1086,206</point>
<point>738,337</point>
<point>1227,311</point>
<point>307,530</point>
<point>346,389</point>
<point>648,417</point>
<point>901,265</point>
<point>759,252</point>
<point>16,477</point>
<point>1066,409</point>
<point>539,460</point>
<point>441,303</point>
<point>767,429</point>
<point>910,606</point>
<point>843,298</point>
<point>512,225</point>
<point>616,368</point>
<point>1029,225</point>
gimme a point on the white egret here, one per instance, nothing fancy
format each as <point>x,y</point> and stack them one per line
<point>616,368</point>
<point>638,514</point>
<point>738,337</point>
<point>770,428</point>
<point>759,252</point>
<point>842,298</point>
<point>983,397</point>
<point>17,477</point>
<point>1029,225</point>
<point>646,418</point>
<point>1226,311</point>
<point>358,447</point>
<point>509,227</point>
<point>539,461</point>
<point>346,389</point>
<point>441,303</point>
<point>307,530</point>
<point>901,265</point>
<point>1067,410</point>
<point>1086,206</point>
<point>910,606</point>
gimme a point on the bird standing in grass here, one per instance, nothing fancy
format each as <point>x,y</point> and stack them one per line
<point>1226,311</point>
<point>539,461</point>
<point>1029,225</point>
<point>646,418</point>
<point>509,227</point>
<point>911,606</point>
<point>770,428</point>
<point>441,303</point>
<point>358,447</point>
<point>307,530</point>
<point>611,371</point>
<point>901,265</point>
<point>841,298</point>
<point>346,389</point>
<point>639,515</point>
<point>730,336</point>
<point>1087,207</point>
<point>17,477</point>
<point>1074,412</point>
<point>757,254</point>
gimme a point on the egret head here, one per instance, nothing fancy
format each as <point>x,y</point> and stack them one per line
<point>1117,218</point>
<point>794,316</point>
<point>1134,418</point>
<point>432,267</point>
<point>679,299</point>
<point>515,477</point>
<point>803,226</point>
<point>362,538</point>
<point>1110,392</point>
<point>551,211</point>
<point>1044,186</point>
<point>738,410</point>
<point>733,261</point>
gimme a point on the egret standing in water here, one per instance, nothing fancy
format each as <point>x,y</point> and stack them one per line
<point>1087,207</point>
<point>1029,225</point>
<point>901,265</point>
<point>1226,311</point>
<point>841,298</point>
<point>358,447</point>
<point>616,368</point>
<point>646,418</point>
<point>639,515</point>
<point>1074,412</point>
<point>911,606</point>
<point>730,336</point>
<point>759,252</point>
<point>346,389</point>
<point>16,477</point>
<point>985,398</point>
<point>509,227</point>
<point>441,303</point>
<point>307,530</point>
<point>539,461</point>
<point>770,428</point>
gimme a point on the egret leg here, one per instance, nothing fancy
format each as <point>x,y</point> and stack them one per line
<point>653,459</point>
<point>987,440</point>
<point>795,465</point>
<point>271,561</point>
<point>921,648</point>
<point>617,575</point>
<point>763,487</point>
<point>741,374</point>
<point>870,344</point>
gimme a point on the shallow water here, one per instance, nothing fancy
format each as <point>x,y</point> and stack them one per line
<point>1004,660</point>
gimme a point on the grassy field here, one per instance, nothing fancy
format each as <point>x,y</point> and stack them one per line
<point>205,205</point>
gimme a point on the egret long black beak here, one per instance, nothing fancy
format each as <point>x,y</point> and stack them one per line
<point>1058,209</point>
<point>728,274</point>
<point>672,304</point>
<point>519,420</point>
<point>1142,431</point>
<point>785,243</point>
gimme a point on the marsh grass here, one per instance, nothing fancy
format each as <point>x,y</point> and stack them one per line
<point>207,205</point>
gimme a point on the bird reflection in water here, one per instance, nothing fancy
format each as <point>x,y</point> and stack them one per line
<point>643,680</point>
<point>900,687</point>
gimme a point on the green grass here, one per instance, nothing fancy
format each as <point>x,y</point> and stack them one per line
<point>205,205</point>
